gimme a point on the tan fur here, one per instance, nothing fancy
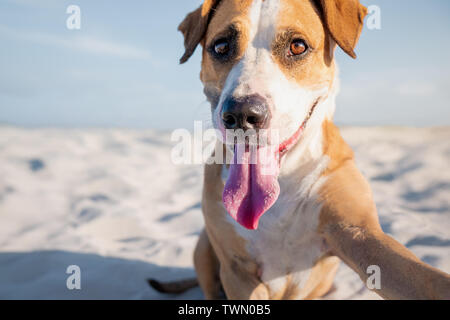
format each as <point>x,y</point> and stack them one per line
<point>344,20</point>
<point>194,27</point>
<point>322,277</point>
<point>317,71</point>
<point>229,12</point>
<point>207,265</point>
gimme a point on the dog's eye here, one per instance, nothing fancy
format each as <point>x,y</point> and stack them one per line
<point>297,47</point>
<point>221,47</point>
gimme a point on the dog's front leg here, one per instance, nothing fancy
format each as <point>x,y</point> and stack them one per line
<point>207,268</point>
<point>402,274</point>
<point>351,229</point>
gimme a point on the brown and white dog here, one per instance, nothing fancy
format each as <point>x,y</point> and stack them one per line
<point>269,64</point>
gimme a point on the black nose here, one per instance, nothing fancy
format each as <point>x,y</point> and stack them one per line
<point>249,112</point>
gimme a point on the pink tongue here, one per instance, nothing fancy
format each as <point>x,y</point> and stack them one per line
<point>252,186</point>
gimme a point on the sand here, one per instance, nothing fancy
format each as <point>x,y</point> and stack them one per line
<point>112,202</point>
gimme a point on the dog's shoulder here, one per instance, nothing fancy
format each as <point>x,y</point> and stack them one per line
<point>335,147</point>
<point>346,195</point>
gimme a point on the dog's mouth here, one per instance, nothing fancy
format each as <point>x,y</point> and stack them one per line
<point>252,187</point>
<point>292,141</point>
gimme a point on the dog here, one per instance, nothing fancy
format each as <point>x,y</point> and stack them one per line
<point>269,65</point>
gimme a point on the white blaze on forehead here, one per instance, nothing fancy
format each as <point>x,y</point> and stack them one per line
<point>257,64</point>
<point>263,16</point>
<point>257,61</point>
<point>247,76</point>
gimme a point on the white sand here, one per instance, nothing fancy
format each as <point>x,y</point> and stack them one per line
<point>111,202</point>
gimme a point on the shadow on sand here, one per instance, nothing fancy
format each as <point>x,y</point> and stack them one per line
<point>42,275</point>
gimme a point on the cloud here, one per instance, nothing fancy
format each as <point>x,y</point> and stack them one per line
<point>417,89</point>
<point>398,97</point>
<point>98,46</point>
<point>82,43</point>
<point>423,83</point>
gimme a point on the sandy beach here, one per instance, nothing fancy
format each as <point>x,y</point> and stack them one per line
<point>112,202</point>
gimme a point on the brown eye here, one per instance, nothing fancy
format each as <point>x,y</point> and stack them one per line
<point>297,47</point>
<point>221,47</point>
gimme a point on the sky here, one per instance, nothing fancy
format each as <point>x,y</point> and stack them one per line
<point>120,69</point>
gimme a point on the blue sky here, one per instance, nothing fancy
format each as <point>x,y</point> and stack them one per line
<point>121,68</point>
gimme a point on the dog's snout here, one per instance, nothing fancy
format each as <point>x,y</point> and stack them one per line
<point>250,112</point>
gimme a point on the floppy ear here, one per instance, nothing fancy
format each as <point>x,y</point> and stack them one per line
<point>194,27</point>
<point>344,20</point>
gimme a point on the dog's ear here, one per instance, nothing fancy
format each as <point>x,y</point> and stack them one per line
<point>194,27</point>
<point>344,20</point>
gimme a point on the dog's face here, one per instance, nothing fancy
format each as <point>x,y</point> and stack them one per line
<point>264,61</point>
<point>267,64</point>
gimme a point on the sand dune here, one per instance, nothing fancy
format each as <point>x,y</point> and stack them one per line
<point>112,202</point>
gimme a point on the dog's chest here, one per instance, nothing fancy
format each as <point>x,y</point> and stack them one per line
<point>286,246</point>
